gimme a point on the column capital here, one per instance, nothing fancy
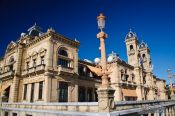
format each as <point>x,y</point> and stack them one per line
<point>102,35</point>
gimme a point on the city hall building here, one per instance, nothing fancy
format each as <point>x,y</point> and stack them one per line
<point>45,67</point>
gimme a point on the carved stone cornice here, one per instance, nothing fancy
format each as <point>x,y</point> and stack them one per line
<point>56,36</point>
<point>63,39</point>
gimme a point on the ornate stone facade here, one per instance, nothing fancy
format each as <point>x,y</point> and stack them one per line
<point>44,67</point>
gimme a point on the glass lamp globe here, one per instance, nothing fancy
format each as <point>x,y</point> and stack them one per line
<point>101,21</point>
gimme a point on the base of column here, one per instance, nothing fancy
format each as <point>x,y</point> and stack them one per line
<point>106,99</point>
<point>173,97</point>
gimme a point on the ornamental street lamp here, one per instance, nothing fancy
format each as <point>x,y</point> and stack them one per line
<point>105,92</point>
<point>102,36</point>
<point>169,77</point>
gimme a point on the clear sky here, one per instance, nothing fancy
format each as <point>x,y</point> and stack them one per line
<point>152,20</point>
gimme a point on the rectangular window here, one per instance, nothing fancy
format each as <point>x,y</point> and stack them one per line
<point>6,114</point>
<point>28,115</point>
<point>27,65</point>
<point>32,92</point>
<point>25,92</point>
<point>81,94</point>
<point>14,114</point>
<point>40,94</point>
<point>34,63</point>
<point>42,60</point>
<point>63,92</point>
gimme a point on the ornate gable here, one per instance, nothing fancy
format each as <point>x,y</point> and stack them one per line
<point>11,45</point>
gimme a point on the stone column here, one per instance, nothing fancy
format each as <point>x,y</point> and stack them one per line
<point>69,92</point>
<point>167,112</point>
<point>14,90</point>
<point>47,87</point>
<point>138,81</point>
<point>76,93</point>
<point>106,99</point>
<point>76,61</point>
<point>118,92</point>
<point>172,111</point>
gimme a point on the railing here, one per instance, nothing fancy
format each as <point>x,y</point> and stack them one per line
<point>68,106</point>
<point>138,104</point>
<point>134,108</point>
<point>62,69</point>
<point>128,83</point>
<point>38,68</point>
<point>7,74</point>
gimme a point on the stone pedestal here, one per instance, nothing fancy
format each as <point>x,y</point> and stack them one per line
<point>106,99</point>
<point>173,97</point>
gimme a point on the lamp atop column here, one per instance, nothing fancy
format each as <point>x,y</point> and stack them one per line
<point>101,21</point>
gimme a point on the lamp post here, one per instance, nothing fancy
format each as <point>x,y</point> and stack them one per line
<point>105,92</point>
<point>169,77</point>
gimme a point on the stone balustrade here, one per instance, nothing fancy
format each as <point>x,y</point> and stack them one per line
<point>67,70</point>
<point>68,106</point>
<point>38,68</point>
<point>7,74</point>
<point>134,108</point>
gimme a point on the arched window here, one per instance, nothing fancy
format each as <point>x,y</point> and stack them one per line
<point>144,57</point>
<point>133,78</point>
<point>122,74</point>
<point>131,47</point>
<point>63,58</point>
<point>63,53</point>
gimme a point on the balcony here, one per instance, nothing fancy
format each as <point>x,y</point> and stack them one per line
<point>33,70</point>
<point>65,70</point>
<point>40,68</point>
<point>7,74</point>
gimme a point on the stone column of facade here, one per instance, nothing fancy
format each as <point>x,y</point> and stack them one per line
<point>76,93</point>
<point>167,112</point>
<point>47,87</point>
<point>138,81</point>
<point>76,61</point>
<point>14,90</point>
<point>70,92</point>
<point>150,84</point>
<point>172,110</point>
<point>50,55</point>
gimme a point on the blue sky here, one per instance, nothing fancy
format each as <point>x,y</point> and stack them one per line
<point>152,20</point>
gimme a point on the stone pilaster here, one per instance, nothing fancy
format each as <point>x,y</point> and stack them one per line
<point>76,93</point>
<point>106,99</point>
<point>50,55</point>
<point>14,90</point>
<point>76,61</point>
<point>167,112</point>
<point>47,87</point>
<point>138,81</point>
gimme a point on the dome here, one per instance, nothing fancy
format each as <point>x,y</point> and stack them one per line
<point>97,60</point>
<point>110,59</point>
